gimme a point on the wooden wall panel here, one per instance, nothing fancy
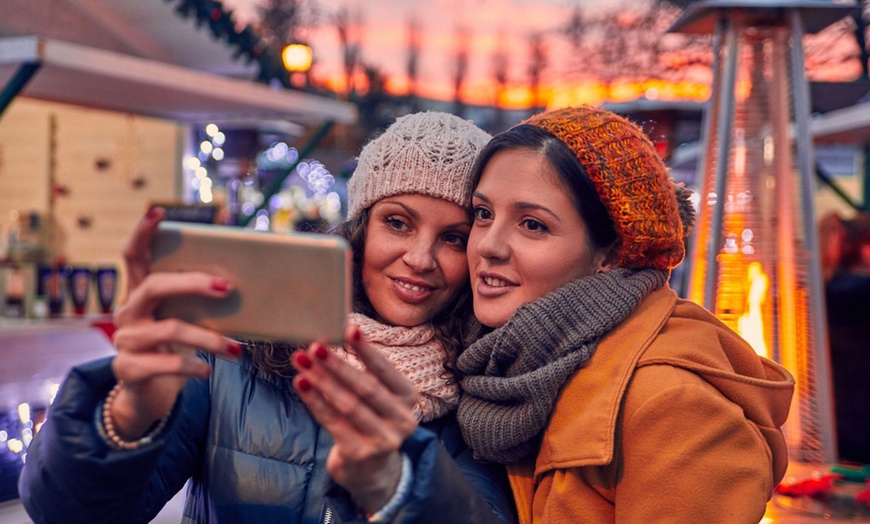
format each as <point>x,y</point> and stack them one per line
<point>110,166</point>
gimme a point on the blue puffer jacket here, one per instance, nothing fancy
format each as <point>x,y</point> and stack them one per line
<point>223,435</point>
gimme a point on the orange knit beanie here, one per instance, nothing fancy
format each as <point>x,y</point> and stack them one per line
<point>630,178</point>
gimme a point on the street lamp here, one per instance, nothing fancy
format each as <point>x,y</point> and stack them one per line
<point>297,60</point>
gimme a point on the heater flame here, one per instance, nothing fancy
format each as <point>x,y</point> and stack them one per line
<point>750,325</point>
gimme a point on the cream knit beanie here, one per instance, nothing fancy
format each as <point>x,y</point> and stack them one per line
<point>427,153</point>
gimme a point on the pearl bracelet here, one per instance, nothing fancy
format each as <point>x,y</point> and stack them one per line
<point>108,426</point>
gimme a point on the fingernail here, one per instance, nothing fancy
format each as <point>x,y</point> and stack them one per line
<point>152,212</point>
<point>303,360</point>
<point>219,284</point>
<point>234,348</point>
<point>321,352</point>
<point>303,385</point>
<point>356,334</point>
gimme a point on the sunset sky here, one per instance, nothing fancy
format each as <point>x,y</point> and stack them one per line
<point>491,24</point>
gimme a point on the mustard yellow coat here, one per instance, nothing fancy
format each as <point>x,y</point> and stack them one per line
<point>674,419</point>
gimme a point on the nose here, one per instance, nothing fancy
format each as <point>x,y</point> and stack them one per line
<point>489,242</point>
<point>420,255</point>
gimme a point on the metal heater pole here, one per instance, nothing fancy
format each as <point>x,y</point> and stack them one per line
<point>708,135</point>
<point>816,304</point>
<point>724,124</point>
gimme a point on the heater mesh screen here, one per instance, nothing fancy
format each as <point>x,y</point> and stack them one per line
<point>761,260</point>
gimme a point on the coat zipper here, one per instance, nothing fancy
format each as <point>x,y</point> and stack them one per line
<point>327,515</point>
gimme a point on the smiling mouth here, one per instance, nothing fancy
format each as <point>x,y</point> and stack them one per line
<point>496,282</point>
<point>412,287</point>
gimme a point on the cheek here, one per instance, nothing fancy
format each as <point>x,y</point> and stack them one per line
<point>471,254</point>
<point>454,266</point>
<point>555,271</point>
<point>372,263</point>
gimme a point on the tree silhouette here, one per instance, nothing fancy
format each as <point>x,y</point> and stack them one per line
<point>415,38</point>
<point>460,71</point>
<point>375,105</point>
<point>282,21</point>
<point>536,67</point>
<point>500,65</point>
<point>349,28</point>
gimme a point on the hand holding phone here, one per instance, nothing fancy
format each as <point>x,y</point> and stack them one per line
<point>287,287</point>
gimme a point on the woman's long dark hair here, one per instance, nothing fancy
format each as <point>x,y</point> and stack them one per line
<point>569,169</point>
<point>453,324</point>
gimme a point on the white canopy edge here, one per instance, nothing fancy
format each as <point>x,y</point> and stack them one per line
<point>86,76</point>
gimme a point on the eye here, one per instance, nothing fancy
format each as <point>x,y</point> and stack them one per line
<point>456,239</point>
<point>534,226</point>
<point>396,223</point>
<point>481,213</point>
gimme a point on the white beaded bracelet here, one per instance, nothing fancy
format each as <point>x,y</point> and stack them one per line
<point>108,425</point>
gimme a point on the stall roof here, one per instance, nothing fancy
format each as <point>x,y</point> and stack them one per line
<point>82,75</point>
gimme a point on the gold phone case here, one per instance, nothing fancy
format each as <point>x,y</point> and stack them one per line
<point>292,287</point>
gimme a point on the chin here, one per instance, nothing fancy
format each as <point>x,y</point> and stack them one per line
<point>405,320</point>
<point>491,319</point>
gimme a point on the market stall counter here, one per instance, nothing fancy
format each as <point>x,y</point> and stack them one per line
<point>36,355</point>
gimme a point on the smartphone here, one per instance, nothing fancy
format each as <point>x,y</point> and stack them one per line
<point>292,287</point>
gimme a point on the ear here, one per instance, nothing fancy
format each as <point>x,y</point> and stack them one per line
<point>608,257</point>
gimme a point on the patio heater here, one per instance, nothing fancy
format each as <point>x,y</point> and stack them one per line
<point>755,258</point>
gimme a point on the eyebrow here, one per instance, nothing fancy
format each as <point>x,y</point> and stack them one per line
<point>413,213</point>
<point>524,206</point>
<point>416,216</point>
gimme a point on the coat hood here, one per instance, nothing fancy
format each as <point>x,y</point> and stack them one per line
<point>663,331</point>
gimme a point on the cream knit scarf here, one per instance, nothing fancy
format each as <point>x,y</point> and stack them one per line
<point>418,355</point>
<point>512,376</point>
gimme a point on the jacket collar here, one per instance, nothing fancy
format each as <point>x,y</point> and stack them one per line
<point>589,405</point>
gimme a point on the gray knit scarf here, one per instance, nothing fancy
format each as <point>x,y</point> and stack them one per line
<point>513,375</point>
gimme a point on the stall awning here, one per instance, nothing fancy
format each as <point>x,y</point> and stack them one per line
<point>70,73</point>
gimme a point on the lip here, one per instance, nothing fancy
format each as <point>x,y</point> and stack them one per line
<point>403,289</point>
<point>485,290</point>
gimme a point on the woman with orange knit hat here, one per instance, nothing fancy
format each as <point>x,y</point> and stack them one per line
<point>610,399</point>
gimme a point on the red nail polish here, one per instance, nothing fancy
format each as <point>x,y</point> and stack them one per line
<point>303,385</point>
<point>356,334</point>
<point>303,360</point>
<point>234,348</point>
<point>152,212</point>
<point>220,285</point>
<point>321,352</point>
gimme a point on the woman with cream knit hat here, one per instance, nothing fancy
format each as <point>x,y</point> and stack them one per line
<point>608,398</point>
<point>228,419</point>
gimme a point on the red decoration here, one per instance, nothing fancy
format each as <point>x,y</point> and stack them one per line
<point>864,497</point>
<point>59,190</point>
<point>808,487</point>
<point>105,324</point>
